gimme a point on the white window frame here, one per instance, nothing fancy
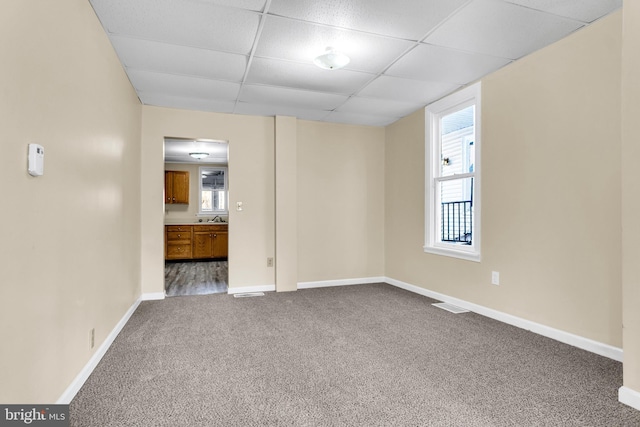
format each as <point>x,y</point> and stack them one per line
<point>226,192</point>
<point>470,95</point>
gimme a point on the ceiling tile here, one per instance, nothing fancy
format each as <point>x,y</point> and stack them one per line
<point>270,110</point>
<point>290,97</point>
<point>411,19</point>
<point>257,5</point>
<point>407,90</point>
<point>184,86</point>
<point>305,76</point>
<point>172,59</point>
<point>198,104</point>
<point>379,107</point>
<point>582,10</point>
<point>181,22</point>
<point>501,29</point>
<point>301,41</point>
<point>359,119</point>
<point>433,63</point>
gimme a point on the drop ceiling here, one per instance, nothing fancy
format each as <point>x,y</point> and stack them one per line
<point>256,56</point>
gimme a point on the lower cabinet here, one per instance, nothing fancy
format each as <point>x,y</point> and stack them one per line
<point>210,241</point>
<point>178,242</point>
<point>205,241</point>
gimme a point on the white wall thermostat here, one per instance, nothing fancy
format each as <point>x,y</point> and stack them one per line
<point>36,160</point>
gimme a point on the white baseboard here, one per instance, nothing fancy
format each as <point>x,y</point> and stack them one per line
<point>80,379</point>
<point>243,289</point>
<point>309,285</point>
<point>629,397</point>
<point>596,347</point>
<point>340,282</point>
<point>152,296</point>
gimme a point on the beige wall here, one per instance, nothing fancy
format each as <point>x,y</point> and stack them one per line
<point>550,191</point>
<point>340,201</point>
<point>188,213</point>
<point>631,196</point>
<point>339,165</point>
<point>71,238</point>
<point>251,181</point>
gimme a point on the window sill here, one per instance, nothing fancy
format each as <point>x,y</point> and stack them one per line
<point>453,253</point>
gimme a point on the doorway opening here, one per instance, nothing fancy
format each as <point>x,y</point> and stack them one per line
<point>196,216</point>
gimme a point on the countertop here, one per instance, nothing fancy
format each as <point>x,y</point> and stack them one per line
<point>194,223</point>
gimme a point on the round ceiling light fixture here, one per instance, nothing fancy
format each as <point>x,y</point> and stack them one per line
<point>331,59</point>
<point>199,156</point>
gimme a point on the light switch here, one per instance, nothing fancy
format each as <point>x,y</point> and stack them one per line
<point>239,206</point>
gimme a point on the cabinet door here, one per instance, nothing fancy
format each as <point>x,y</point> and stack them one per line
<point>168,187</point>
<point>202,244</point>
<point>181,187</point>
<point>220,244</point>
<point>176,187</point>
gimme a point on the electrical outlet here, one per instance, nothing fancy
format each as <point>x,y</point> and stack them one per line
<point>269,262</point>
<point>495,278</point>
<point>92,337</point>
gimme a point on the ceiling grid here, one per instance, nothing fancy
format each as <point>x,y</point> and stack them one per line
<point>256,56</point>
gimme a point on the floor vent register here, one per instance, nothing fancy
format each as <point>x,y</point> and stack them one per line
<point>450,307</point>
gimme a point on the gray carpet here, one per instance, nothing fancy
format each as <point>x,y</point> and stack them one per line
<point>367,355</point>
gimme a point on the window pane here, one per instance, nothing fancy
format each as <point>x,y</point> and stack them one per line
<point>213,180</point>
<point>456,211</point>
<point>457,133</point>
<point>207,201</point>
<point>213,187</point>
<point>218,200</point>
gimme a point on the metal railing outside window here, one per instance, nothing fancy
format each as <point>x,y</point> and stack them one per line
<point>457,221</point>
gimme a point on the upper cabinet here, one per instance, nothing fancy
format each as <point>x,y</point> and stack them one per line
<point>176,187</point>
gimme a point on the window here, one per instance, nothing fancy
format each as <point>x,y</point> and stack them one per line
<point>213,190</point>
<point>452,190</point>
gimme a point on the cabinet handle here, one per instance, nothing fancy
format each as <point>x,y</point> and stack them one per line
<point>215,235</point>
<point>178,235</point>
<point>174,199</point>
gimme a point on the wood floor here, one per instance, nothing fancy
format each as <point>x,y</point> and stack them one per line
<point>195,277</point>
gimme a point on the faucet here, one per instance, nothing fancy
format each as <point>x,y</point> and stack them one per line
<point>216,219</point>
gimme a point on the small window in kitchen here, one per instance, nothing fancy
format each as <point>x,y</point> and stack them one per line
<point>213,190</point>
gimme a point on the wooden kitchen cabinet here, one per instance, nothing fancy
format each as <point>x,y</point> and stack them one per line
<point>210,241</point>
<point>176,187</point>
<point>196,241</point>
<point>178,242</point>
<point>221,244</point>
